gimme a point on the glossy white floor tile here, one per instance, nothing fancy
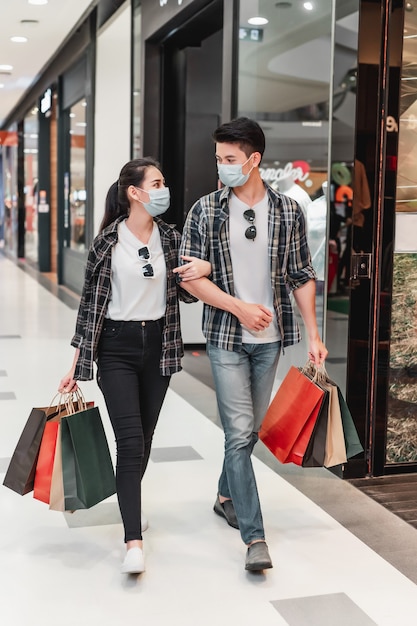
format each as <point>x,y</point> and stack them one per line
<point>61,570</point>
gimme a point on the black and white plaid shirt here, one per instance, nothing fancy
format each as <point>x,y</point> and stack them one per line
<point>206,236</point>
<point>97,293</point>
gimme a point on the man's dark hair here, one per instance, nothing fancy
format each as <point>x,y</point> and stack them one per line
<point>245,132</point>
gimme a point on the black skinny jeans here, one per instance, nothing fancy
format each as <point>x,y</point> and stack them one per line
<point>134,390</point>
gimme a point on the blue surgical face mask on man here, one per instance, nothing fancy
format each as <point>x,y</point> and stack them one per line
<point>159,200</point>
<point>232,175</point>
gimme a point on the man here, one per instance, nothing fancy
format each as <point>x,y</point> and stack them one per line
<point>255,240</point>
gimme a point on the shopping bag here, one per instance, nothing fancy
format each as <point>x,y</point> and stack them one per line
<point>56,497</point>
<point>315,451</point>
<point>352,441</point>
<point>294,409</point>
<point>87,468</point>
<point>335,441</point>
<point>20,474</point>
<point>45,463</point>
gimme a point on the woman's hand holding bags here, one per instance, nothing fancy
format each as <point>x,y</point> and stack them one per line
<point>63,456</point>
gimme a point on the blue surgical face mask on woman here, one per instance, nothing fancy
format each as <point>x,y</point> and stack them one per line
<point>232,175</point>
<point>159,200</point>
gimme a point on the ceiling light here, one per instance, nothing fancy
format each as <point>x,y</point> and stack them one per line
<point>257,21</point>
<point>308,6</point>
<point>1,85</point>
<point>18,39</point>
<point>6,68</point>
<point>38,1</point>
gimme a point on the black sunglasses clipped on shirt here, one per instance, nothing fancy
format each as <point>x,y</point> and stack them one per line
<point>145,255</point>
<point>250,232</point>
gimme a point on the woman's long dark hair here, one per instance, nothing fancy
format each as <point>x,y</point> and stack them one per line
<point>117,201</point>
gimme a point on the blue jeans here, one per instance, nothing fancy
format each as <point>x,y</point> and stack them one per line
<point>243,382</point>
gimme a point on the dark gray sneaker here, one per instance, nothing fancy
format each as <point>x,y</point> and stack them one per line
<point>257,557</point>
<point>226,510</point>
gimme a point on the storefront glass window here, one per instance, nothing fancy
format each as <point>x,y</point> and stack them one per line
<point>297,78</point>
<point>31,184</point>
<point>402,398</point>
<point>10,190</point>
<point>137,81</point>
<point>76,186</point>
<point>284,83</point>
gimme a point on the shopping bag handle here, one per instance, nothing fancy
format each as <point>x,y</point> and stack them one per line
<point>61,404</point>
<point>75,398</point>
<point>314,372</point>
<point>318,374</point>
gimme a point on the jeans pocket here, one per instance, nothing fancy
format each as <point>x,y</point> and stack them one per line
<point>111,330</point>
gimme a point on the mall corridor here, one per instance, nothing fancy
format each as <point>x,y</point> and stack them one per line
<point>339,558</point>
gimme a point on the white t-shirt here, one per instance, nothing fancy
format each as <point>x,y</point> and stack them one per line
<point>251,264</point>
<point>134,297</point>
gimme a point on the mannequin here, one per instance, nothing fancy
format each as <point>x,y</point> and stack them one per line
<point>288,187</point>
<point>316,231</point>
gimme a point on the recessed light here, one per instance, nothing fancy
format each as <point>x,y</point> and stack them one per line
<point>38,1</point>
<point>308,6</point>
<point>6,68</point>
<point>18,39</point>
<point>1,85</point>
<point>257,21</point>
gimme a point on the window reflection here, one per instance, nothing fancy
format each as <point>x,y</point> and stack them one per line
<point>9,190</point>
<point>284,83</point>
<point>402,398</point>
<point>31,131</point>
<point>137,79</point>
<point>288,84</point>
<point>77,190</point>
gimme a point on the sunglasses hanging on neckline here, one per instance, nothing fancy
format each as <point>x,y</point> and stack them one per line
<point>145,255</point>
<point>250,232</point>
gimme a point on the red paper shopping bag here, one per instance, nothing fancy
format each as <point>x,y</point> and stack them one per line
<point>45,464</point>
<point>291,416</point>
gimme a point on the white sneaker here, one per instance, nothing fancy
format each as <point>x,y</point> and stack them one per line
<point>134,562</point>
<point>143,522</point>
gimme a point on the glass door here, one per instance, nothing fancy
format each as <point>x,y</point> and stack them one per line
<point>401,440</point>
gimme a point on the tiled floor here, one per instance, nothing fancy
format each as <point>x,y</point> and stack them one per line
<point>339,557</point>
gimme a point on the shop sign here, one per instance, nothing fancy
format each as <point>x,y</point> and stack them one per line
<point>251,34</point>
<point>392,126</point>
<point>297,170</point>
<point>46,101</point>
<point>8,138</point>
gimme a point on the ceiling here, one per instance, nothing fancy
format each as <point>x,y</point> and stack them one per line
<point>45,27</point>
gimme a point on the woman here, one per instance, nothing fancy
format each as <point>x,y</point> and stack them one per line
<point>128,323</point>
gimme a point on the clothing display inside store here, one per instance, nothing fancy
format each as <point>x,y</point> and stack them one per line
<point>292,190</point>
<point>316,231</point>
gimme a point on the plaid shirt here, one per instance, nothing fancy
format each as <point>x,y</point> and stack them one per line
<point>206,236</point>
<point>97,293</point>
